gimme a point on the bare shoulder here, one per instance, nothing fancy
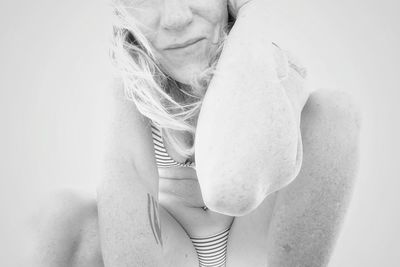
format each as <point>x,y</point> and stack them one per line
<point>128,131</point>
<point>117,101</point>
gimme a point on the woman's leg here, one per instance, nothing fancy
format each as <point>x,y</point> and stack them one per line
<point>67,235</point>
<point>65,231</point>
<point>298,225</point>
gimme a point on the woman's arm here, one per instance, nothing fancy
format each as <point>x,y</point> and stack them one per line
<point>247,132</point>
<point>130,228</point>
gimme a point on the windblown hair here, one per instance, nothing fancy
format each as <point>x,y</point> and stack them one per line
<point>169,104</point>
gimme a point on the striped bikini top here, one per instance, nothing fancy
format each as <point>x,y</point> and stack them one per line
<point>163,159</point>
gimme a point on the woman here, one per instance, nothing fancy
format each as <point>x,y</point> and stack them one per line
<point>204,77</point>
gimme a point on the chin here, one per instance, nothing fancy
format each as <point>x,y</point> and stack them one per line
<point>186,74</point>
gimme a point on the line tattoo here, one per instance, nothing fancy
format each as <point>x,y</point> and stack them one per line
<point>154,219</point>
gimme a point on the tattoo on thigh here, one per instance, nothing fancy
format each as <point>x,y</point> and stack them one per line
<point>154,218</point>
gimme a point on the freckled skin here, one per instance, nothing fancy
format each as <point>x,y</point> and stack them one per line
<point>306,214</point>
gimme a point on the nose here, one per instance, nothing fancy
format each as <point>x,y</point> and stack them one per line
<point>176,15</point>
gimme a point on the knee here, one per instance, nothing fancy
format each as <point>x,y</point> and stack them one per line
<point>60,217</point>
<point>332,111</point>
<point>59,224</point>
<point>65,207</point>
<point>330,130</point>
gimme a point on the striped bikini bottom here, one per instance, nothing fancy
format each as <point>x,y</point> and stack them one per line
<point>211,251</point>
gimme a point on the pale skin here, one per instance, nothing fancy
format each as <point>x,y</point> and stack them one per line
<point>138,218</point>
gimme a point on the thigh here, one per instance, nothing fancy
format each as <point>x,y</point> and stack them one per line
<point>178,248</point>
<point>69,234</point>
<point>300,224</point>
<point>308,213</point>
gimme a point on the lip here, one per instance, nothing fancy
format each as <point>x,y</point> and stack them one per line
<point>184,44</point>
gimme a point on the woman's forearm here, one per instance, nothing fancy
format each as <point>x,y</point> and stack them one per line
<point>129,222</point>
<point>247,134</point>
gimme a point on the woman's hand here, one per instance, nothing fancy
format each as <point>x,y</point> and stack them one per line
<point>236,5</point>
<point>293,77</point>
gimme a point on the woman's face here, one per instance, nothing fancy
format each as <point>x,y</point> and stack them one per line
<point>183,33</point>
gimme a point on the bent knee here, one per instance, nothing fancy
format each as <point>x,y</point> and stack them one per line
<point>62,213</point>
<point>68,204</point>
<point>61,222</point>
<point>330,130</point>
<point>334,110</point>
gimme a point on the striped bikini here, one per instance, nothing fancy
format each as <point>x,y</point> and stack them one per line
<point>163,159</point>
<point>211,251</point>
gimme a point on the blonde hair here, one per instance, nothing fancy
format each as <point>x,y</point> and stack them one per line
<point>167,103</point>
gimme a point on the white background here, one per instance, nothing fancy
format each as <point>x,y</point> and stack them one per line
<point>54,70</point>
